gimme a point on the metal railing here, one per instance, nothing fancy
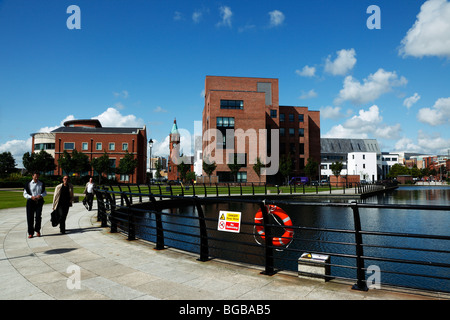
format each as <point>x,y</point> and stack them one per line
<point>142,215</point>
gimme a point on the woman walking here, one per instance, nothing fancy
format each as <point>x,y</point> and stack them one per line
<point>62,201</point>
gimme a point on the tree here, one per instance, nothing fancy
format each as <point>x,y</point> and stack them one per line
<point>101,165</point>
<point>336,168</point>
<point>127,164</point>
<point>41,162</point>
<point>286,166</point>
<point>65,163</point>
<point>209,168</point>
<point>182,170</point>
<point>257,167</point>
<point>158,168</point>
<point>235,167</point>
<point>7,163</point>
<point>398,170</point>
<point>80,162</point>
<point>311,168</point>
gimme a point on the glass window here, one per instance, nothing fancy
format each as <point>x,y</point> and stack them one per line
<point>273,113</point>
<point>69,145</point>
<point>84,146</point>
<point>281,116</point>
<point>301,132</point>
<point>124,146</point>
<point>98,146</point>
<point>291,132</point>
<point>291,117</point>
<point>301,118</point>
<point>112,146</point>
<point>281,132</point>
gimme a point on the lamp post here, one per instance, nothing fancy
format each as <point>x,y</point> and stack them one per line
<point>150,144</point>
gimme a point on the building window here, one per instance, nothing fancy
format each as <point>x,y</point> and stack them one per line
<point>281,116</point>
<point>301,118</point>
<point>224,123</point>
<point>231,104</point>
<point>125,146</point>
<point>273,113</point>
<point>301,132</point>
<point>282,132</point>
<point>98,146</point>
<point>301,148</point>
<point>241,177</point>
<point>364,156</point>
<point>44,146</point>
<point>84,146</point>
<point>291,132</point>
<point>291,117</point>
<point>69,145</point>
<point>112,146</point>
<point>124,177</point>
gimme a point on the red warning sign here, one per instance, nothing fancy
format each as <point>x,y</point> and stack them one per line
<point>229,221</point>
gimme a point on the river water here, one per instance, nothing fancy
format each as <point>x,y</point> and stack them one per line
<point>247,249</point>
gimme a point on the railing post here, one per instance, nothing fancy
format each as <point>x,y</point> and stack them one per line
<point>217,190</point>
<point>159,224</point>
<point>360,275</point>
<point>269,260</point>
<point>204,249</point>
<point>229,193</point>
<point>204,188</point>
<point>112,205</point>
<point>131,222</point>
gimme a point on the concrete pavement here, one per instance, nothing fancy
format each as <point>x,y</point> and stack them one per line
<point>89,263</point>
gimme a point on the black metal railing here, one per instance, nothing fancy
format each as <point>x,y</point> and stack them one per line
<point>144,215</point>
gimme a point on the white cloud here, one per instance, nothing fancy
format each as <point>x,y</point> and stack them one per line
<point>49,129</point>
<point>344,62</point>
<point>123,94</point>
<point>430,34</point>
<point>276,18</point>
<point>366,123</point>
<point>159,109</point>
<point>307,95</point>
<point>17,149</point>
<point>113,118</point>
<point>373,87</point>
<point>426,143</point>
<point>408,102</point>
<point>197,16</point>
<point>438,114</point>
<point>226,14</point>
<point>330,112</point>
<point>307,71</point>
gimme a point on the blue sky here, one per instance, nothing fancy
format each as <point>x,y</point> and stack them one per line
<point>136,63</point>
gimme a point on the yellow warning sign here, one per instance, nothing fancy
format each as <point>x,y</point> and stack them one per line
<point>229,221</point>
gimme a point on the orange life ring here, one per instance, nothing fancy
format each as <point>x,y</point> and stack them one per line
<point>288,234</point>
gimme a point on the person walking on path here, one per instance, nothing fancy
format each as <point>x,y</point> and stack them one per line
<point>34,192</point>
<point>89,192</point>
<point>62,201</point>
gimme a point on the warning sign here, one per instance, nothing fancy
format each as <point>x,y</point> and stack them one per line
<point>229,221</point>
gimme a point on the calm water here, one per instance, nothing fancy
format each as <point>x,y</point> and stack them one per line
<point>386,220</point>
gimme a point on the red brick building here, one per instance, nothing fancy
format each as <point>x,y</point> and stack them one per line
<point>89,137</point>
<point>252,104</point>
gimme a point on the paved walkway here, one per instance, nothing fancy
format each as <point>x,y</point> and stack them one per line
<point>112,267</point>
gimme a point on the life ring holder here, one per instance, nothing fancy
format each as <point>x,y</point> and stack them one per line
<point>278,214</point>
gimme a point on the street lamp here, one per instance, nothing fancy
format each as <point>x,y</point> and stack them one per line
<point>150,144</point>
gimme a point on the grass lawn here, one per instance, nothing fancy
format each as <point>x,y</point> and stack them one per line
<point>15,199</point>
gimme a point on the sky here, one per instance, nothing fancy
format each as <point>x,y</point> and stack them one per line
<point>378,72</point>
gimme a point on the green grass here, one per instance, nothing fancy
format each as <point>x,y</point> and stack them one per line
<point>12,199</point>
<point>15,199</point>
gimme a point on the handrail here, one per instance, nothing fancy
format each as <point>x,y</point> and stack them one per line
<point>125,215</point>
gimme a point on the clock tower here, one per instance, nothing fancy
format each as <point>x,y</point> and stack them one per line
<point>174,151</point>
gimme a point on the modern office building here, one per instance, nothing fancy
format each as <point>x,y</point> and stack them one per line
<point>90,138</point>
<point>239,117</point>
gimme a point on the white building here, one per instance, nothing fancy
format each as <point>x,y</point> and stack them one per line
<point>361,156</point>
<point>388,160</point>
